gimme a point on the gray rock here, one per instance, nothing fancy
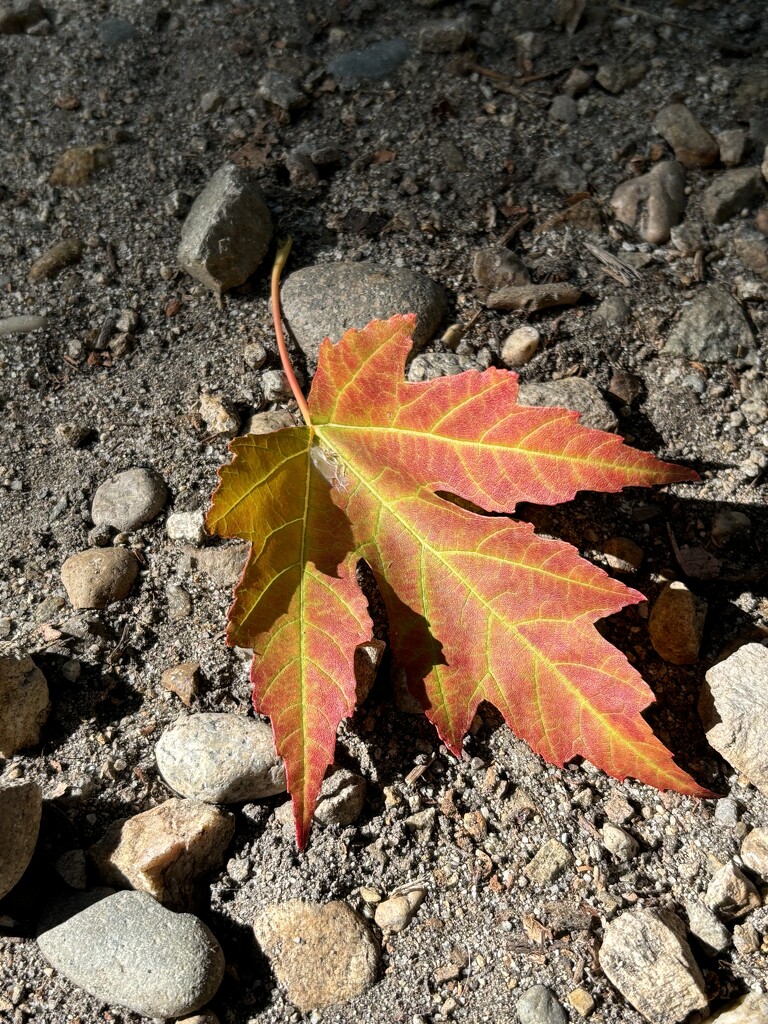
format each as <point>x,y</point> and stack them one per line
<point>227,232</point>
<point>692,143</point>
<point>561,172</point>
<point>341,798</point>
<point>321,955</point>
<point>431,365</point>
<point>653,203</point>
<point>396,913</point>
<point>220,758</point>
<point>688,237</point>
<point>222,566</point>
<point>619,843</point>
<point>443,35</point>
<point>99,576</point>
<point>537,1005</point>
<point>564,109</point>
<point>751,247</point>
<point>646,957</point>
<point>613,311</point>
<point>732,192</point>
<point>281,90</point>
<point>754,853</point>
<point>218,414</point>
<point>734,709</point>
<point>128,499</point>
<point>578,81</point>
<point>676,624</point>
<point>212,101</point>
<point>705,926</point>
<point>375,61</point>
<point>22,324</point>
<point>20,808</point>
<point>572,393</point>
<point>731,894</point>
<point>532,297</point>
<point>495,267</point>
<point>24,704</point>
<point>615,78</point>
<point>750,1009</point>
<point>548,863</point>
<point>128,950</point>
<point>712,329</point>
<point>116,31</point>
<point>732,144</point>
<point>328,299</point>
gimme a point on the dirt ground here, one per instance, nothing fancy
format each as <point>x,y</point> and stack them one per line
<point>451,152</point>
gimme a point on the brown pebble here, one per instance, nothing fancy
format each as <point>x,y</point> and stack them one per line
<point>531,297</point>
<point>63,254</point>
<point>99,576</point>
<point>182,680</point>
<point>78,165</point>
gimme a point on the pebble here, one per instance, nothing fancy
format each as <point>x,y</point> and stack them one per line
<point>564,109</point>
<point>537,1005</point>
<point>623,555</point>
<point>750,1009</point>
<point>734,709</point>
<point>754,853</point>
<point>99,576</point>
<point>78,165</point>
<point>712,329</point>
<point>127,950</point>
<point>341,799</point>
<point>368,656</point>
<point>572,393</point>
<point>275,386</point>
<point>22,324</point>
<point>706,927</point>
<point>582,1002</point>
<point>653,203</point>
<point>116,31</point>
<point>375,61</point>
<point>397,912</point>
<point>615,78</point>
<point>186,526</point>
<point>520,346</point>
<point>561,172</point>
<point>164,851</point>
<point>497,267</point>
<point>227,232</point>
<point>431,365</point>
<point>220,758</point>
<point>182,680</point>
<point>219,415</point>
<point>24,704</point>
<point>646,957</point>
<point>746,938</point>
<point>676,624</point>
<point>751,247</point>
<point>211,101</point>
<point>254,355</point>
<point>577,82</point>
<point>129,499</point>
<point>730,894</point>
<point>731,192</point>
<point>72,868</point>
<point>62,254</point>
<point>21,19</point>
<point>21,805</point>
<point>548,863</point>
<point>732,144</point>
<point>328,299</point>
<point>688,238</point>
<point>532,297</point>
<point>320,954</point>
<point>268,422</point>
<point>618,810</point>
<point>443,35</point>
<point>614,311</point>
<point>619,843</point>
<point>691,142</point>
<point>282,91</point>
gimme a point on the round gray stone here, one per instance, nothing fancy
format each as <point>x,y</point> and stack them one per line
<point>537,1005</point>
<point>220,758</point>
<point>328,299</point>
<point>128,950</point>
<point>20,807</point>
<point>129,499</point>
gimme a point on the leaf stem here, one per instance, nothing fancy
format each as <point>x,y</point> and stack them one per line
<point>281,258</point>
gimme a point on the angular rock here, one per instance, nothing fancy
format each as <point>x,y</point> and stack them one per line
<point>186,526</point>
<point>653,203</point>
<point>731,894</point>
<point>692,143</point>
<point>572,393</point>
<point>712,329</point>
<point>705,926</point>
<point>676,624</point>
<point>622,554</point>
<point>734,709</point>
<point>62,254</point>
<point>520,346</point>
<point>396,913</point>
<point>227,232</point>
<point>560,171</point>
<point>129,499</point>
<point>219,415</point>
<point>754,853</point>
<point>220,758</point>
<point>751,247</point>
<point>328,299</point>
<point>582,1001</point>
<point>24,704</point>
<point>164,851</point>
<point>223,566</point>
<point>20,809</point>
<point>268,422</point>
<point>731,192</point>
<point>732,144</point>
<point>532,297</point>
<point>367,659</point>
<point>645,956</point>
<point>99,576</point>
<point>281,90</point>
<point>78,165</point>
<point>615,78</point>
<point>183,680</point>
<point>341,798</point>
<point>128,950</point>
<point>750,1009</point>
<point>376,61</point>
<point>321,955</point>
<point>497,267</point>
<point>443,35</point>
<point>548,863</point>
<point>537,1005</point>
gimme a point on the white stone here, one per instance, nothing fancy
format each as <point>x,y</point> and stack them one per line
<point>186,526</point>
<point>521,345</point>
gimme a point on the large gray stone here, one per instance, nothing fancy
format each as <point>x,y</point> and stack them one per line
<point>129,499</point>
<point>537,1005</point>
<point>20,808</point>
<point>24,704</point>
<point>128,950</point>
<point>731,192</point>
<point>572,393</point>
<point>227,232</point>
<point>328,299</point>
<point>653,203</point>
<point>712,329</point>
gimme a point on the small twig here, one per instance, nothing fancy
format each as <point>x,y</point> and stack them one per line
<point>511,231</point>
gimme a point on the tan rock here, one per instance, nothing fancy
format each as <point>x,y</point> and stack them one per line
<point>731,894</point>
<point>268,422</point>
<point>676,624</point>
<point>548,863</point>
<point>99,576</point>
<point>24,704</point>
<point>77,166</point>
<point>182,680</point>
<point>653,203</point>
<point>692,143</point>
<point>398,911</point>
<point>62,254</point>
<point>20,808</point>
<point>750,1009</point>
<point>520,346</point>
<point>754,852</point>
<point>165,851</point>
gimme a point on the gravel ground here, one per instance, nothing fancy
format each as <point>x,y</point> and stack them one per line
<point>449,153</point>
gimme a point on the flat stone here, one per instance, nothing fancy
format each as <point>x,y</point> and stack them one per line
<point>692,143</point>
<point>532,297</point>
<point>653,203</point>
<point>129,499</point>
<point>223,566</point>
<point>321,955</point>
<point>227,232</point>
<point>496,267</point>
<point>731,894</point>
<point>706,927</point>
<point>116,31</point>
<point>397,912</point>
<point>127,950</point>
<point>582,1001</point>
<point>676,624</point>
<point>186,526</point>
<point>750,1009</point>
<point>572,393</point>
<point>268,422</point>
<point>329,299</point>
<point>99,576</point>
<point>431,365</point>
<point>376,61</point>
<point>712,329</point>
<point>183,680</point>
<point>77,166</point>
<point>164,851</point>
<point>22,324</point>
<point>754,853</point>
<point>20,809</point>
<point>731,192</point>
<point>220,758</point>
<point>24,704</point>
<point>734,709</point>
<point>646,957</point>
<point>62,254</point>
<point>520,346</point>
<point>537,1005</point>
<point>548,863</point>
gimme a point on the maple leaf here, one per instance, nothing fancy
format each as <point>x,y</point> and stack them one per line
<point>479,607</point>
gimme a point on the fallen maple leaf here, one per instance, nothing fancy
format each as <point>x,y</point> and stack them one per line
<point>480,608</point>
